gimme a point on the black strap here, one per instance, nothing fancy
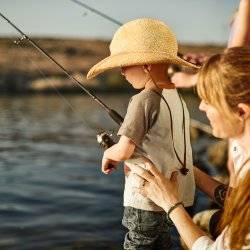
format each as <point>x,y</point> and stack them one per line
<point>184,170</point>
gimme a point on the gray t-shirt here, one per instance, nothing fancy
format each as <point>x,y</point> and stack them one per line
<point>147,124</point>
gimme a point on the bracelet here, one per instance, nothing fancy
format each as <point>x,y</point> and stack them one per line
<point>172,208</point>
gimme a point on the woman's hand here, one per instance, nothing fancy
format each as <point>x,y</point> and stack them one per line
<point>184,80</point>
<point>162,191</point>
<point>195,58</point>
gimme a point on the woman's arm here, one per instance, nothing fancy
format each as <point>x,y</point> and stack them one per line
<point>184,80</point>
<point>164,193</point>
<point>241,25</point>
<point>187,229</point>
<point>214,189</point>
<point>192,235</point>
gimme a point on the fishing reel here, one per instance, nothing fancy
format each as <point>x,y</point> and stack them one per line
<point>105,139</point>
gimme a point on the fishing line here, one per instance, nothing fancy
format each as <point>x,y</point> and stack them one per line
<point>112,113</point>
<point>111,19</point>
<point>21,45</point>
<point>97,12</point>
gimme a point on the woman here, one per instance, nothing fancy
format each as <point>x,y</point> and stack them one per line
<point>224,87</point>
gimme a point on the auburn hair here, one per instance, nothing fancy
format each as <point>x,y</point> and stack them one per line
<point>236,215</point>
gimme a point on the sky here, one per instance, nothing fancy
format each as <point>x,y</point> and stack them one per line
<point>193,21</point>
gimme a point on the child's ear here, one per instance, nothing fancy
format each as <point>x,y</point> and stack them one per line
<point>244,111</point>
<point>147,68</point>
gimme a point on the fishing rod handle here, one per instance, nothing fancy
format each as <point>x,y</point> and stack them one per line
<point>116,117</point>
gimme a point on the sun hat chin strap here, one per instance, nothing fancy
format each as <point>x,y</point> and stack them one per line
<point>184,170</point>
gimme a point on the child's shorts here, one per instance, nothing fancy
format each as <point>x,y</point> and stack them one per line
<point>147,230</point>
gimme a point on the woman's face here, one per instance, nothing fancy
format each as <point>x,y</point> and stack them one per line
<point>222,127</point>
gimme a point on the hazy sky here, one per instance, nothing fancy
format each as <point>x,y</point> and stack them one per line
<point>198,21</point>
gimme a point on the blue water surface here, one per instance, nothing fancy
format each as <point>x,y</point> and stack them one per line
<point>52,192</point>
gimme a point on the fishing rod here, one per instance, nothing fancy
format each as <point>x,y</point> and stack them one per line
<point>105,139</point>
<point>112,113</point>
<point>111,19</point>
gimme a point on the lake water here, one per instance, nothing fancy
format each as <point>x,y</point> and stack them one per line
<point>52,192</point>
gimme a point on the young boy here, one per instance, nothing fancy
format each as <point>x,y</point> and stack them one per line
<point>156,126</point>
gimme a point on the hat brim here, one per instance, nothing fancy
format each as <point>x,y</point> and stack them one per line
<point>131,59</point>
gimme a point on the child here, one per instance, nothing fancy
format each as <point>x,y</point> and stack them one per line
<point>156,126</point>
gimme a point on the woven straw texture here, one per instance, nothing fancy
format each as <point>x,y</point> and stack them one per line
<point>138,42</point>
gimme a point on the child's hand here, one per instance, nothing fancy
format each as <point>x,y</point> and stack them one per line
<point>108,165</point>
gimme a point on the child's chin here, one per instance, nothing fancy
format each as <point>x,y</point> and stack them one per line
<point>137,87</point>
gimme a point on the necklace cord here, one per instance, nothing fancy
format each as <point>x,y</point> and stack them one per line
<point>184,170</point>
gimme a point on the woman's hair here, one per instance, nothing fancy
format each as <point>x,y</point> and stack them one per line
<point>236,214</point>
<point>224,80</point>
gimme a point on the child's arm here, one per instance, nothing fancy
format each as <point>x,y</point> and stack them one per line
<point>119,152</point>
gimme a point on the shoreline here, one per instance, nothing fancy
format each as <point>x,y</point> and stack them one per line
<point>23,69</point>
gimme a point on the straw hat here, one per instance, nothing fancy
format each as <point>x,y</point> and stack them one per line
<point>138,42</point>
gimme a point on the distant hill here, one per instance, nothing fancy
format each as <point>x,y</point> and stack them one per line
<point>24,69</point>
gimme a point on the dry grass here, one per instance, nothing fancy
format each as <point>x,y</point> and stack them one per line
<point>75,55</point>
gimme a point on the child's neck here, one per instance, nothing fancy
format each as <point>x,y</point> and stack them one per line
<point>156,85</point>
